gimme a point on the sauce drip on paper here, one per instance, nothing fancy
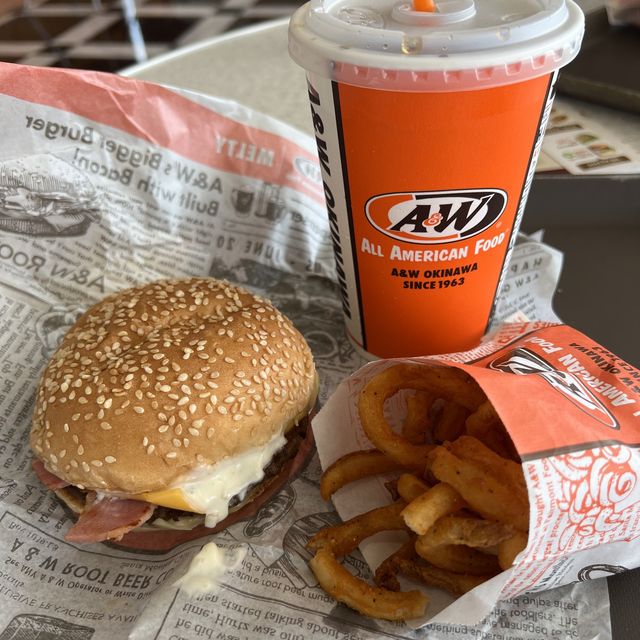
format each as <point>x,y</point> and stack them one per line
<point>207,568</point>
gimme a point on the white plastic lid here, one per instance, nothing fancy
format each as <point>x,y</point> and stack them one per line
<point>463,44</point>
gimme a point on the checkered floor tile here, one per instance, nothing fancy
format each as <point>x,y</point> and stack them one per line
<point>108,35</point>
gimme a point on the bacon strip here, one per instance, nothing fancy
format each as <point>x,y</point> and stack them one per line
<point>47,478</point>
<point>109,519</point>
<point>166,539</point>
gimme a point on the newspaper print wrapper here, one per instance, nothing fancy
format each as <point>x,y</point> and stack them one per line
<point>572,409</point>
<point>107,183</point>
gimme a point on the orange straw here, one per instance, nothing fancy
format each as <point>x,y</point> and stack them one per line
<point>424,5</point>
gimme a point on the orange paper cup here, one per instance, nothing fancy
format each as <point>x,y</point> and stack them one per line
<point>428,127</point>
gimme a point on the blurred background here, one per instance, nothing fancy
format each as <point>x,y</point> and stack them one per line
<point>108,35</point>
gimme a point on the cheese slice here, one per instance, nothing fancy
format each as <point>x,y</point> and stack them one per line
<point>208,489</point>
<point>172,498</point>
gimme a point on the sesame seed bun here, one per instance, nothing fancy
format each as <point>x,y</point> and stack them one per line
<point>155,381</point>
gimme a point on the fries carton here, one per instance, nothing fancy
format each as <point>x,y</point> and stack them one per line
<point>572,409</point>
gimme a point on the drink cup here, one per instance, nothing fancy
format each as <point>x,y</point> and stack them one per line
<point>242,200</point>
<point>428,120</point>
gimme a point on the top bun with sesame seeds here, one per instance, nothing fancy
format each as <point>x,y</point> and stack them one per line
<point>156,383</point>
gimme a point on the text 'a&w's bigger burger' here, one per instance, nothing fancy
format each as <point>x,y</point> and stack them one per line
<point>173,410</point>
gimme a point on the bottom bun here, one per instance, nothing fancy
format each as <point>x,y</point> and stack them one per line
<point>152,539</point>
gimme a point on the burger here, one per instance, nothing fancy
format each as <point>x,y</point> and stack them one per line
<point>172,410</point>
<point>42,194</point>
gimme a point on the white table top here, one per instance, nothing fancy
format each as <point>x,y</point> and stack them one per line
<point>251,66</point>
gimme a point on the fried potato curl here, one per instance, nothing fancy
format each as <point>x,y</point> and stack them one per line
<point>461,493</point>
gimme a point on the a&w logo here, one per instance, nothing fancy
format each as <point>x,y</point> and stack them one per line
<point>435,216</point>
<point>524,362</point>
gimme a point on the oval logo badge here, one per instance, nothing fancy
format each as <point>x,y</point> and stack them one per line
<point>308,169</point>
<point>435,217</point>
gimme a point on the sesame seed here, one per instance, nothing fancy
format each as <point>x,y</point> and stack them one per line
<point>183,401</point>
<point>165,388</point>
<point>192,408</point>
<point>163,428</point>
<point>150,449</point>
<point>171,455</point>
<point>96,463</point>
<point>80,450</point>
<point>105,425</point>
<point>138,409</point>
<point>222,409</point>
<point>193,432</point>
<point>145,441</point>
<point>109,459</point>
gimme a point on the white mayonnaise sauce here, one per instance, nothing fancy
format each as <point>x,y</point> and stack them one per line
<point>207,568</point>
<point>184,523</point>
<point>209,489</point>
